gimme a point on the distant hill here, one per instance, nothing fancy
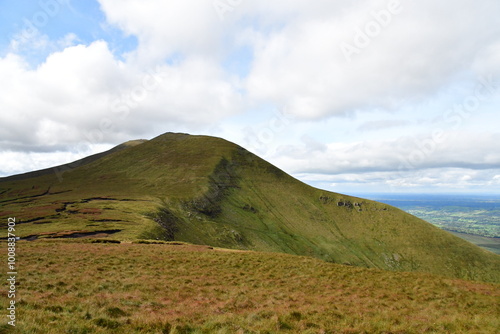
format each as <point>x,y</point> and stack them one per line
<point>60,170</point>
<point>206,190</point>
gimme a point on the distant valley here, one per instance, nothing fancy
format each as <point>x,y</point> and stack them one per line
<point>473,217</point>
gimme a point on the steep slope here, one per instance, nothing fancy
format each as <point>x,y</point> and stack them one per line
<point>206,190</point>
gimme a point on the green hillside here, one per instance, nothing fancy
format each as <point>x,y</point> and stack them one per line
<point>206,190</point>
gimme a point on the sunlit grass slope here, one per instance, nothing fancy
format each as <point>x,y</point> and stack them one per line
<point>206,190</point>
<point>77,287</point>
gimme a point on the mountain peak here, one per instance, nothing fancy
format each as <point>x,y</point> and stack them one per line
<point>207,190</point>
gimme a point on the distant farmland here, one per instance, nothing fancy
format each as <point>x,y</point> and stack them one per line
<point>471,214</point>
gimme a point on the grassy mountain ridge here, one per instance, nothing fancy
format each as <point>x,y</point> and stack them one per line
<point>61,169</point>
<point>205,190</point>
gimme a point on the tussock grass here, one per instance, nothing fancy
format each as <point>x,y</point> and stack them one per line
<point>81,287</point>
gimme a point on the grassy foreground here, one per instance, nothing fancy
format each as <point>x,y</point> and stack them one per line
<point>74,286</point>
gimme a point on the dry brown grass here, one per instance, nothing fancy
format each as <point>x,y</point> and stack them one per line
<point>77,287</point>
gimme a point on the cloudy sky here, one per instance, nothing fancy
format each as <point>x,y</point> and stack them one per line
<point>351,96</point>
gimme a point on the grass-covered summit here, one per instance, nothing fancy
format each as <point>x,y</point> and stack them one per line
<point>206,190</point>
